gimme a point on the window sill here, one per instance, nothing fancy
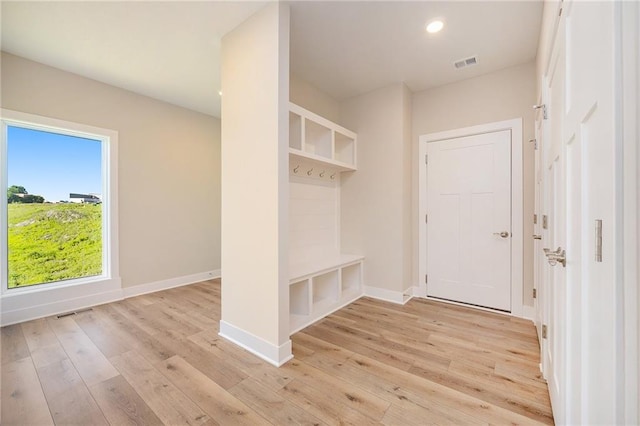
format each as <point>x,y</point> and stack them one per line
<point>18,305</point>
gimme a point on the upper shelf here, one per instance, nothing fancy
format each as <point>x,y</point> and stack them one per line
<point>315,138</point>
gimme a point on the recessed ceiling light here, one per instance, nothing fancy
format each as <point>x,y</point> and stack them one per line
<point>220,93</point>
<point>435,26</point>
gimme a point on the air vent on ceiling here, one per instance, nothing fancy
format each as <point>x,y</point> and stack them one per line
<point>466,62</point>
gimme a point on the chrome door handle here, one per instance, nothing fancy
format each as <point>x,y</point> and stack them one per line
<point>537,237</point>
<point>555,257</point>
<point>503,234</point>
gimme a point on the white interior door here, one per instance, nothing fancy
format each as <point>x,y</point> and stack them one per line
<point>581,303</point>
<point>595,341</point>
<point>469,220</point>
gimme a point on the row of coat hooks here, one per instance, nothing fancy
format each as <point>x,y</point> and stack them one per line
<point>310,172</point>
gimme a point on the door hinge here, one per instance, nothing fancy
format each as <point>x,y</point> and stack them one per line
<point>544,331</point>
<point>545,222</point>
<point>426,218</point>
<point>426,159</point>
<point>535,219</point>
<point>426,279</point>
<point>535,293</point>
<point>543,107</point>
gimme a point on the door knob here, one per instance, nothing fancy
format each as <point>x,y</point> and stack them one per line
<point>537,237</point>
<point>503,234</point>
<point>555,257</point>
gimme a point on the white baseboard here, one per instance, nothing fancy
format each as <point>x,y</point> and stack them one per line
<point>29,304</point>
<point>419,290</point>
<point>392,296</point>
<point>141,289</point>
<point>274,355</point>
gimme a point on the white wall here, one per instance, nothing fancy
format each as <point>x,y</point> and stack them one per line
<point>255,131</point>
<point>313,218</point>
<point>498,96</point>
<point>169,167</point>
<point>310,97</point>
<point>375,200</point>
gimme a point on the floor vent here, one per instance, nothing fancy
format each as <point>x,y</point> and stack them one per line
<point>68,314</point>
<point>466,62</point>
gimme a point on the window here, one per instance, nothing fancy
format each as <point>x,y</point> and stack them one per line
<point>59,221</point>
<point>54,211</point>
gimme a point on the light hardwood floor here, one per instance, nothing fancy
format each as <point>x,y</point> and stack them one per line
<point>158,359</point>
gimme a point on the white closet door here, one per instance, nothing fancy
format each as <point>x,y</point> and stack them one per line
<point>469,220</point>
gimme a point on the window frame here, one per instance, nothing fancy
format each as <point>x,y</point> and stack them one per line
<point>20,304</point>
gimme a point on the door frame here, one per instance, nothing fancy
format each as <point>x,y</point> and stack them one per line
<point>628,202</point>
<point>517,225</point>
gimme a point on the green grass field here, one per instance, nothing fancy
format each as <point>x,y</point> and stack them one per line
<point>53,242</point>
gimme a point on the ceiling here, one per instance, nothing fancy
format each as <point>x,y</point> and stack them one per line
<point>350,48</point>
<point>171,50</point>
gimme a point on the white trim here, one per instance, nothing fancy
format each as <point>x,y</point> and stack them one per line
<point>33,303</point>
<point>38,303</point>
<point>109,140</point>
<point>517,226</point>
<point>274,355</point>
<point>529,312</point>
<point>152,287</point>
<point>50,298</point>
<point>392,296</point>
<point>629,31</point>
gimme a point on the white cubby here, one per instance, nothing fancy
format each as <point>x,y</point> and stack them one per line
<point>319,288</point>
<point>321,278</point>
<point>295,131</point>
<point>319,140</point>
<point>299,298</point>
<point>351,278</point>
<point>345,148</point>
<point>325,287</point>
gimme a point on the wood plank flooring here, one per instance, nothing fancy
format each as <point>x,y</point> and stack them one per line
<point>158,359</point>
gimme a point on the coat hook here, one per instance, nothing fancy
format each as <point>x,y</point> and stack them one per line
<point>333,176</point>
<point>322,174</point>
<point>309,172</point>
<point>295,169</point>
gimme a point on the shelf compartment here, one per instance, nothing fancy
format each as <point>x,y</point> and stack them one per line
<point>317,139</point>
<point>351,277</point>
<point>325,287</point>
<point>299,301</point>
<point>295,131</point>
<point>297,155</point>
<point>345,148</point>
<point>332,282</point>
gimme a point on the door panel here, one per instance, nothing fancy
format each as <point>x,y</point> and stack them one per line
<point>469,204</point>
